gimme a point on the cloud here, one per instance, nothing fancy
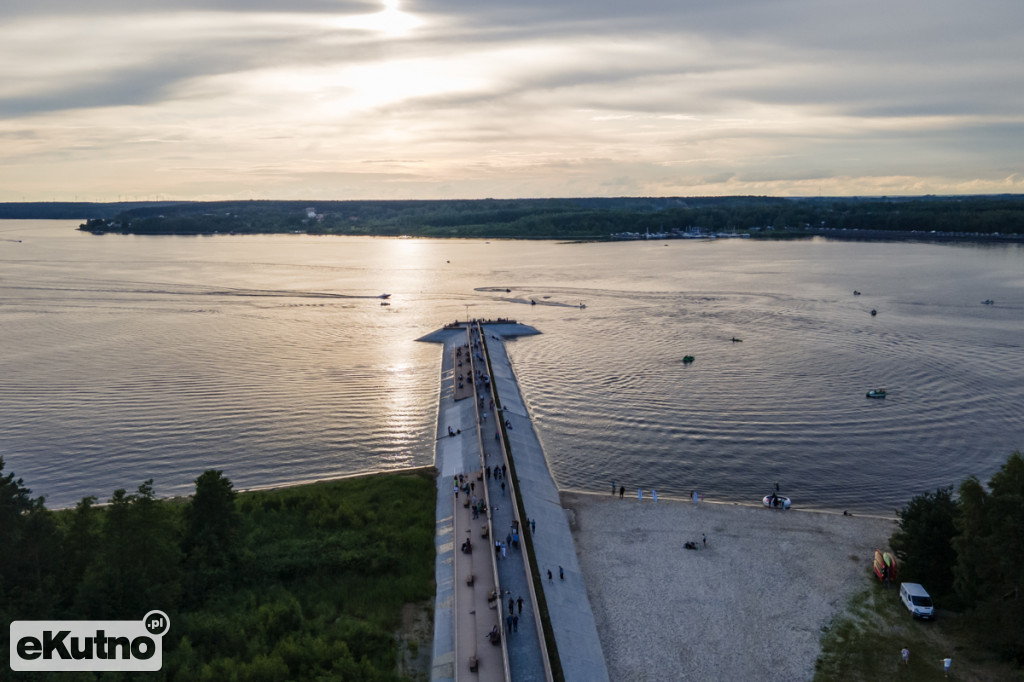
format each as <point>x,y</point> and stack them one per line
<point>507,99</point>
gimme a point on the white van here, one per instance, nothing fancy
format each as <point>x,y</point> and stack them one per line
<point>917,600</point>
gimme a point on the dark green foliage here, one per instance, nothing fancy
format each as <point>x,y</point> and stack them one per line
<point>969,552</point>
<point>924,542</point>
<point>211,536</point>
<point>990,561</point>
<point>296,584</point>
<point>29,551</point>
<point>581,218</point>
<point>137,565</point>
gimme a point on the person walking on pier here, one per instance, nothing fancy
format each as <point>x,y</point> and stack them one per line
<point>622,492</point>
<point>520,603</point>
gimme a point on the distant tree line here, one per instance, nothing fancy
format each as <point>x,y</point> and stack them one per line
<point>589,218</point>
<point>968,550</point>
<point>69,210</point>
<point>304,583</point>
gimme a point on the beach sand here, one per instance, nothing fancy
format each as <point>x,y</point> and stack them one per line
<point>751,605</point>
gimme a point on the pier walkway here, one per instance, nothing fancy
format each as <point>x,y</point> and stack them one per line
<point>460,627</point>
<point>465,613</point>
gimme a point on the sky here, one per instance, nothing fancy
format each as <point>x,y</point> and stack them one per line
<point>113,100</point>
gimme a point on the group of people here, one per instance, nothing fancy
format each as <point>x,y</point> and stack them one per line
<point>465,485</point>
<point>499,473</point>
<point>947,662</point>
<point>694,495</point>
<point>503,320</point>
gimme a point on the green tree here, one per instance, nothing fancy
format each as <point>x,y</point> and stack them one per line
<point>924,541</point>
<point>138,566</point>
<point>211,535</point>
<point>81,539</point>
<point>990,557</point>
<point>29,547</point>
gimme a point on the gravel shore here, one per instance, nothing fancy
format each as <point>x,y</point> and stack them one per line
<point>750,605</point>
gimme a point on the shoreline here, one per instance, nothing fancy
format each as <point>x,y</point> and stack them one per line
<point>732,503</point>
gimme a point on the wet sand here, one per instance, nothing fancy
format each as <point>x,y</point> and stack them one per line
<point>749,605</point>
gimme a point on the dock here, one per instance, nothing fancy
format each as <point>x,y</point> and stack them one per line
<point>511,604</point>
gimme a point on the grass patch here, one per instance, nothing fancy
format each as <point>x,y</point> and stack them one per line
<point>864,643</point>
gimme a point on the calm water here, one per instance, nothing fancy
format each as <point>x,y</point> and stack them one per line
<point>127,358</point>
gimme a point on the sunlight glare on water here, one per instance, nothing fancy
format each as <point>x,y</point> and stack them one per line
<point>272,358</point>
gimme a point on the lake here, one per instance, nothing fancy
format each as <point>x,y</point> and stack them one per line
<point>126,358</point>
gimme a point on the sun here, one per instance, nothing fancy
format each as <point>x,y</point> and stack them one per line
<point>391,20</point>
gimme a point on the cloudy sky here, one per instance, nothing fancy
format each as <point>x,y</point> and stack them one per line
<point>337,99</point>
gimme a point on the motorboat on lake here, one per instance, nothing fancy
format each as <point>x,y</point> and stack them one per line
<point>876,393</point>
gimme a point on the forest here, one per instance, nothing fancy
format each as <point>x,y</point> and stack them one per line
<point>303,583</point>
<point>967,549</point>
<point>959,217</point>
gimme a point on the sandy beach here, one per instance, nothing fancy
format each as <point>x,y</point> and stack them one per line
<point>749,605</point>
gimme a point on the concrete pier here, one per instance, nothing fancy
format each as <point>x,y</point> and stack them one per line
<point>554,635</point>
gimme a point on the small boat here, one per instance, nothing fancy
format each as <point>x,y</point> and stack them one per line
<point>533,302</point>
<point>988,301</point>
<point>876,393</point>
<point>856,293</point>
<point>582,305</point>
<point>776,501</point>
<point>384,303</point>
<point>384,296</point>
<point>873,312</point>
<point>735,340</point>
<point>885,566</point>
<point>687,359</point>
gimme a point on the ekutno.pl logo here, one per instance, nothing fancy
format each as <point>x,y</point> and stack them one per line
<point>89,645</point>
